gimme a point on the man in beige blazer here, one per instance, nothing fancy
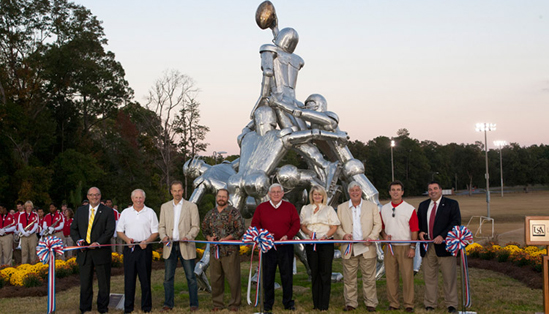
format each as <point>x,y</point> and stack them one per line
<point>176,245</point>
<point>360,220</point>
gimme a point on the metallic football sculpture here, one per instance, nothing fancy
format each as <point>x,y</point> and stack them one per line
<point>280,123</point>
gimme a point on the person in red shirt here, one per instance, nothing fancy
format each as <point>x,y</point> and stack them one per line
<point>16,245</point>
<point>27,224</point>
<point>69,216</point>
<point>53,224</point>
<point>281,219</point>
<point>399,223</point>
<point>7,227</point>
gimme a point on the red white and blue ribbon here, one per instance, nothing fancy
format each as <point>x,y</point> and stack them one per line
<point>390,247</point>
<point>46,250</point>
<point>216,248</point>
<point>265,241</point>
<point>314,238</point>
<point>457,239</point>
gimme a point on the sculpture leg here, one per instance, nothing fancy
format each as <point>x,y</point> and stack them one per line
<point>299,250</point>
<point>200,270</point>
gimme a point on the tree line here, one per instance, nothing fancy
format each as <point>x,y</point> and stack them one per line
<point>457,166</point>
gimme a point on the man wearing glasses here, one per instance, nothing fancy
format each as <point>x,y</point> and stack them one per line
<point>93,225</point>
<point>281,219</point>
<point>399,223</point>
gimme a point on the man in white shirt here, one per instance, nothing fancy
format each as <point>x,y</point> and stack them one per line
<point>399,223</point>
<point>179,222</point>
<point>360,220</point>
<point>137,226</point>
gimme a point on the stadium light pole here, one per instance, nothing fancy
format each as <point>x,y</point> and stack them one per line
<point>392,163</point>
<point>500,145</point>
<point>485,127</point>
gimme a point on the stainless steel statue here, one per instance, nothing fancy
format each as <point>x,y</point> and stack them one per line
<point>280,123</point>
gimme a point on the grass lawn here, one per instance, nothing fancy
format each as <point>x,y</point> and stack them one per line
<point>492,293</point>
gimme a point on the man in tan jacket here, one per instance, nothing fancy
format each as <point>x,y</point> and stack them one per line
<point>360,220</point>
<point>176,245</point>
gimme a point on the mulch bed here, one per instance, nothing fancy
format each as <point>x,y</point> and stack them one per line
<point>526,275</point>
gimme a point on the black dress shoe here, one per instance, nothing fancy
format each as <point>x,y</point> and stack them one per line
<point>452,309</point>
<point>409,310</point>
<point>291,308</point>
<point>371,309</point>
<point>393,308</point>
<point>429,308</point>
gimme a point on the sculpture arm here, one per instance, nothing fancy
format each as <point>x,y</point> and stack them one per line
<point>328,122</point>
<point>301,137</point>
<point>197,194</point>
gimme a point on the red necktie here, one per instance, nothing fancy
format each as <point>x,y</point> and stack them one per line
<point>432,220</point>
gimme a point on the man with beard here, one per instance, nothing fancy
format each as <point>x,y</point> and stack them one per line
<point>222,223</point>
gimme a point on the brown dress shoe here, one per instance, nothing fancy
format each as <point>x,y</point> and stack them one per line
<point>166,309</point>
<point>409,310</point>
<point>371,309</point>
<point>348,308</point>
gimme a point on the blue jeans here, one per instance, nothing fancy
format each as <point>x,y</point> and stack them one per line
<point>169,274</point>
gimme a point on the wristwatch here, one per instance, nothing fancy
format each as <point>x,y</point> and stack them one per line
<point>413,247</point>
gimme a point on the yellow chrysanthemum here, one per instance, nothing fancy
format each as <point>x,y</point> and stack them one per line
<point>8,271</point>
<point>531,249</point>
<point>512,248</point>
<point>156,256</point>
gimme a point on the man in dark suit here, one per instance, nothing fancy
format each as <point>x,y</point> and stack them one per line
<point>94,225</point>
<point>437,216</point>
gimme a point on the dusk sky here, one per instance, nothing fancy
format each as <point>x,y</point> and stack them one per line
<point>434,67</point>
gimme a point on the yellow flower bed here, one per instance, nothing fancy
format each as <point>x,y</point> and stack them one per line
<point>16,276</point>
<point>530,255</point>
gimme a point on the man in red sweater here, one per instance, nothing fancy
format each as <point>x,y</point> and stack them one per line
<point>281,219</point>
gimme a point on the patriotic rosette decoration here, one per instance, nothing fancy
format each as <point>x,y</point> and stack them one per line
<point>46,250</point>
<point>265,241</point>
<point>457,239</point>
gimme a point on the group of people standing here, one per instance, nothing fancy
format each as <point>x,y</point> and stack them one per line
<point>95,224</point>
<point>20,231</point>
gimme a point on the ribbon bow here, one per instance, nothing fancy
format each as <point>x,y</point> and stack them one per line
<point>265,240</point>
<point>457,239</point>
<point>261,238</point>
<point>46,250</point>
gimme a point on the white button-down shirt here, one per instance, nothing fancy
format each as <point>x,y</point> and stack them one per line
<point>358,248</point>
<point>176,216</point>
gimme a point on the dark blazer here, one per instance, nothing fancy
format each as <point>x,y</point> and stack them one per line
<point>448,216</point>
<point>102,232</point>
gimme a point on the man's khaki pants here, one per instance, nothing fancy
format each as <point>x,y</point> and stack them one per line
<point>393,264</point>
<point>6,249</point>
<point>368,269</point>
<point>431,265</point>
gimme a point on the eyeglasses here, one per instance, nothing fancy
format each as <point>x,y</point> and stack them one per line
<point>393,212</point>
